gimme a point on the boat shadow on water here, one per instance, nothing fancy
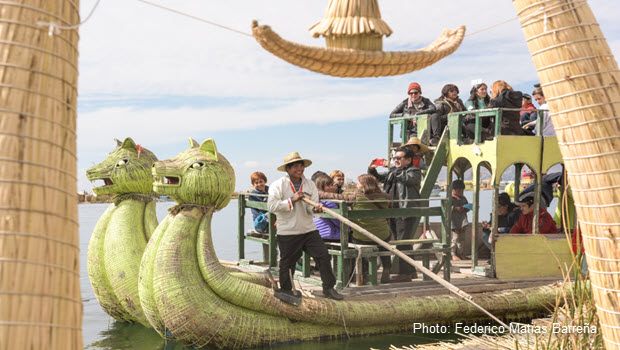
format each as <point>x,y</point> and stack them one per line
<point>137,337</point>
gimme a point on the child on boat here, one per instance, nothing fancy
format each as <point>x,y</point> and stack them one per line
<point>419,149</point>
<point>260,218</point>
<point>460,224</point>
<point>526,219</point>
<point>548,129</point>
<point>338,177</point>
<point>527,116</point>
<point>507,216</point>
<point>329,229</point>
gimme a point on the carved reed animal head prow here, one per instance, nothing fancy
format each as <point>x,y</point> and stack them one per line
<point>199,175</point>
<point>127,169</point>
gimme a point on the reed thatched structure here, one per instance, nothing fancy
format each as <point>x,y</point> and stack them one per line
<point>352,24</point>
<point>580,77</point>
<point>40,302</point>
<point>353,31</point>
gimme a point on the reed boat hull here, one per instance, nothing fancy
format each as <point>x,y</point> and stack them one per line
<point>189,296</point>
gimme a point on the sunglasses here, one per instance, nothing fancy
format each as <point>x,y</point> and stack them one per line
<point>414,93</point>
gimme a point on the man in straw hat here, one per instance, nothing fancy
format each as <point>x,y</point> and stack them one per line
<point>419,149</point>
<point>296,230</point>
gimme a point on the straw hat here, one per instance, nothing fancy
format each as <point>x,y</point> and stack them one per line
<point>292,158</point>
<point>416,141</point>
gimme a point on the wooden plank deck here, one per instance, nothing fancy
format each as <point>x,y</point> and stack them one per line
<point>461,277</point>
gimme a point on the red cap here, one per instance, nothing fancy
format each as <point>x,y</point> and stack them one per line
<point>414,86</point>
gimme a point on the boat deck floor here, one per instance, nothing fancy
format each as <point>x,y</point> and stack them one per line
<point>461,277</point>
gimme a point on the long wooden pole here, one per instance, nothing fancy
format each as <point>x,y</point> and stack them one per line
<point>451,287</point>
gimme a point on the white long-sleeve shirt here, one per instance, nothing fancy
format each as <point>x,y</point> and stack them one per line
<point>293,218</point>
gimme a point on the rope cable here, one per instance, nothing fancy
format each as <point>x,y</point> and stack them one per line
<point>55,28</point>
<point>196,18</point>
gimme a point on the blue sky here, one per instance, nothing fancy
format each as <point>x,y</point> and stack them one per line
<point>160,78</point>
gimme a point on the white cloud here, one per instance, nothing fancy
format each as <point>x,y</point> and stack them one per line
<point>138,62</point>
<point>251,164</point>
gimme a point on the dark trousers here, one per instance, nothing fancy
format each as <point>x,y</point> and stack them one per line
<point>438,123</point>
<point>291,249</point>
<point>386,261</point>
<point>402,228</point>
<point>469,131</point>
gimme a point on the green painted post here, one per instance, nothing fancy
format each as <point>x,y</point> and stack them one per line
<point>518,168</point>
<point>372,270</point>
<point>343,265</point>
<point>426,262</point>
<point>241,227</point>
<point>446,209</point>
<point>498,123</point>
<point>475,218</point>
<point>495,223</point>
<point>273,242</point>
<point>306,269</point>
<point>390,135</point>
<point>446,229</point>
<point>403,131</point>
<point>539,122</point>
<point>477,129</point>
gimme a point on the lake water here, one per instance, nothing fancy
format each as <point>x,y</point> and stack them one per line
<point>101,332</point>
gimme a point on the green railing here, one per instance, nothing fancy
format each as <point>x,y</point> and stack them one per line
<point>456,133</point>
<point>480,114</point>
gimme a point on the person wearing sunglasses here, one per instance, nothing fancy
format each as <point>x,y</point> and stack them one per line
<point>414,104</point>
<point>448,102</point>
<point>402,183</point>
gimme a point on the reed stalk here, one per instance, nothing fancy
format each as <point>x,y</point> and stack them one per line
<point>40,302</point>
<point>579,77</point>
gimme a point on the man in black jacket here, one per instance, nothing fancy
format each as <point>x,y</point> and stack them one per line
<point>402,183</point>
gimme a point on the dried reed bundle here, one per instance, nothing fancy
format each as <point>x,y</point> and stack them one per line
<point>351,63</point>
<point>580,78</point>
<point>40,302</point>
<point>352,24</point>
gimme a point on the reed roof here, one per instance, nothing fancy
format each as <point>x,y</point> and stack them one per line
<point>351,17</point>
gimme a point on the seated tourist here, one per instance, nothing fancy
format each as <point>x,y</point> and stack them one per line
<point>329,229</point>
<point>548,129</point>
<point>478,99</point>
<point>448,102</point>
<point>414,104</point>
<point>503,96</point>
<point>526,219</point>
<point>259,217</point>
<point>507,216</point>
<point>527,116</point>
<point>338,177</point>
<point>371,197</point>
<point>317,174</point>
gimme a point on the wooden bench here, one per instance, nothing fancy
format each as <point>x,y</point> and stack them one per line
<point>344,254</point>
<point>372,252</point>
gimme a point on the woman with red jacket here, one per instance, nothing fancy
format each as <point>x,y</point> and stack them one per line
<point>526,219</point>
